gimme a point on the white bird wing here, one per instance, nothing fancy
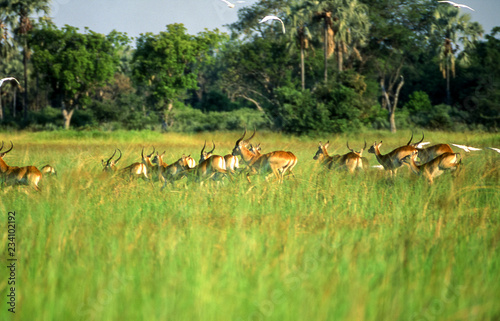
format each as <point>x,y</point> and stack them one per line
<point>462,147</point>
<point>464,6</point>
<point>495,149</point>
<point>267,18</point>
<point>8,78</point>
<point>466,148</point>
<point>420,145</point>
<point>229,4</point>
<point>457,5</point>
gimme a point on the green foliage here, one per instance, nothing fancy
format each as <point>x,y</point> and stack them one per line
<point>167,63</point>
<point>193,120</point>
<point>418,102</point>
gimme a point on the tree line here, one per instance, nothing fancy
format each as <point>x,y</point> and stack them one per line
<point>341,65</point>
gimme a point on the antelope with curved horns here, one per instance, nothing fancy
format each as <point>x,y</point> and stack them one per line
<point>210,165</point>
<point>435,167</point>
<point>351,161</point>
<point>393,160</point>
<point>27,175</point>
<point>173,171</point>
<point>279,162</point>
<point>133,170</point>
<point>146,160</point>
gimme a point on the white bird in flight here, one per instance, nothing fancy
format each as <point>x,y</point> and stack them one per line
<point>267,18</point>
<point>229,4</point>
<point>458,5</point>
<point>8,78</point>
<point>495,149</point>
<point>466,148</point>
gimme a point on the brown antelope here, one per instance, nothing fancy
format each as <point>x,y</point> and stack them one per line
<point>435,167</point>
<point>431,152</point>
<point>351,161</point>
<point>232,163</point>
<point>279,162</point>
<point>48,170</point>
<point>393,160</point>
<point>133,170</point>
<point>14,175</point>
<point>146,160</point>
<point>210,165</point>
<point>173,171</point>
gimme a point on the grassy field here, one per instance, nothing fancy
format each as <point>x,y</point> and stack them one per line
<point>323,246</point>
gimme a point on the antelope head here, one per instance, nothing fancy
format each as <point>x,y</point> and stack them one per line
<point>322,152</point>
<point>240,143</point>
<point>205,155</point>
<point>360,153</point>
<point>157,158</point>
<point>110,164</point>
<point>374,146</point>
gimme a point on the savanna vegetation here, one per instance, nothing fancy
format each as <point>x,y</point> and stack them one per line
<point>325,245</point>
<point>341,66</point>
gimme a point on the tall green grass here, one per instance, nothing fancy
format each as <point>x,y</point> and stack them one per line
<point>324,245</point>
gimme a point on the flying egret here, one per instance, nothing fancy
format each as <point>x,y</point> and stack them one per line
<point>8,78</point>
<point>267,18</point>
<point>458,5</point>
<point>229,4</point>
<point>466,148</point>
<point>495,149</point>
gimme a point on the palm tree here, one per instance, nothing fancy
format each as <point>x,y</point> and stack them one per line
<point>23,9</point>
<point>300,35</point>
<point>453,27</point>
<point>352,26</point>
<point>345,27</point>
<point>323,12</point>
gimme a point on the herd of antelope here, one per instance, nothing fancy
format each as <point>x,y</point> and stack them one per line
<point>433,161</point>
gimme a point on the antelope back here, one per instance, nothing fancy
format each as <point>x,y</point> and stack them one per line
<point>431,152</point>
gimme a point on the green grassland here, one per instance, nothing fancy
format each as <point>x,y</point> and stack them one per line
<point>324,245</point>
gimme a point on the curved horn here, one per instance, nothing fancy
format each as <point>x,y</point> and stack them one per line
<point>241,138</point>
<point>248,139</point>
<point>349,147</point>
<point>152,152</point>
<point>204,145</point>
<point>116,161</point>
<point>142,153</point>
<point>212,148</point>
<point>11,146</point>
<point>1,146</point>
<point>364,147</point>
<point>421,139</point>
<point>107,162</point>
<point>411,138</point>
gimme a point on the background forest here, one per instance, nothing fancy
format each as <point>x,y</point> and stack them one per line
<point>341,65</point>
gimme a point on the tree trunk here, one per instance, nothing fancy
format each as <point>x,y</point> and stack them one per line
<point>67,117</point>
<point>14,98</point>
<point>326,51</point>
<point>391,107</point>
<point>1,105</point>
<point>340,55</point>
<point>302,67</point>
<point>448,93</point>
<point>392,121</point>
<point>25,62</point>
